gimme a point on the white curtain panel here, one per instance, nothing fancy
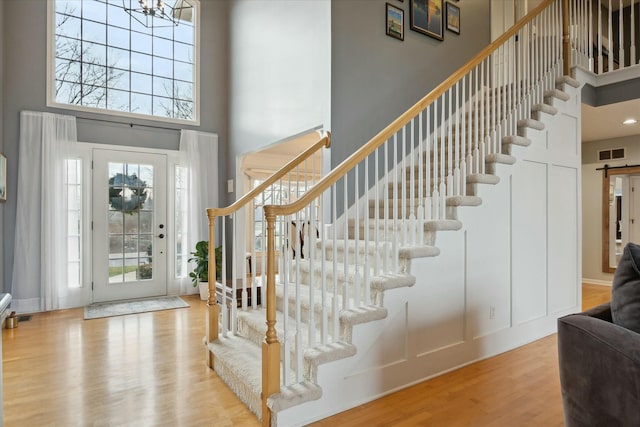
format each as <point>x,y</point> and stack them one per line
<point>199,154</point>
<point>40,251</point>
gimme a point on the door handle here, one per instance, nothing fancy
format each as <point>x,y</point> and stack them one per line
<point>161,236</point>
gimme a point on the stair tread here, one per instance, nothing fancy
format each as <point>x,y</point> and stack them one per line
<point>557,93</point>
<point>504,159</point>
<point>418,251</point>
<point>294,395</point>
<point>516,140</point>
<point>568,81</point>
<point>545,108</point>
<point>442,225</point>
<point>483,178</point>
<point>531,123</point>
<point>464,201</point>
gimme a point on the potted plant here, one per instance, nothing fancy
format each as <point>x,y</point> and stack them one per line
<point>200,274</point>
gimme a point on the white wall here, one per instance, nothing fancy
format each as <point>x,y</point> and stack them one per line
<point>592,201</point>
<point>280,71</point>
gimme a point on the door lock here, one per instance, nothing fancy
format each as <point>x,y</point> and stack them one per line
<point>161,236</point>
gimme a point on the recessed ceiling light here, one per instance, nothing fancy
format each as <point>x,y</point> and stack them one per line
<point>630,122</point>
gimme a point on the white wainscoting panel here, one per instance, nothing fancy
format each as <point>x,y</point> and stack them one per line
<point>529,248</point>
<point>563,238</point>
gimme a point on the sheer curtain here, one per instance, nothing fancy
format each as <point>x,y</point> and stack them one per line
<point>40,252</point>
<point>199,154</point>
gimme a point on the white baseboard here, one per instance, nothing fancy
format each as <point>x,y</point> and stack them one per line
<point>596,282</point>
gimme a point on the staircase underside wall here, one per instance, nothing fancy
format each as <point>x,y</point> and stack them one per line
<point>499,283</point>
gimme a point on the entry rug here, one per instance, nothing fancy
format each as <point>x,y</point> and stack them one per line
<point>120,308</point>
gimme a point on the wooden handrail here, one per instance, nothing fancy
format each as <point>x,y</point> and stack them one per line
<point>375,142</point>
<point>324,141</point>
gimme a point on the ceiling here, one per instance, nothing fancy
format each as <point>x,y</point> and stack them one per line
<point>605,122</point>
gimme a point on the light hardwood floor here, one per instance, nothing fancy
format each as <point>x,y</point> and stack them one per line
<point>148,369</point>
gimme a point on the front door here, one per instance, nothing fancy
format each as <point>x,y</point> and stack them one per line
<point>129,225</point>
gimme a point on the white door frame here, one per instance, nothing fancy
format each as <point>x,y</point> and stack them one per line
<point>155,235</point>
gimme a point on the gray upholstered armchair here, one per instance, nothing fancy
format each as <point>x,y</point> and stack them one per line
<point>599,370</point>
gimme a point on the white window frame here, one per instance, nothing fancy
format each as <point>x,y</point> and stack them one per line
<point>81,232</point>
<point>51,100</point>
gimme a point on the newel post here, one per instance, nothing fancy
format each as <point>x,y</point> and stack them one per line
<point>213,310</point>
<point>270,346</point>
<point>566,41</point>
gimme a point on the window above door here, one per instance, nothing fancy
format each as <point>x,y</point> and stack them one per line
<point>102,59</point>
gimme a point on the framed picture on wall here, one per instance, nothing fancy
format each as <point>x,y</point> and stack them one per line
<point>395,22</point>
<point>453,18</point>
<point>427,18</point>
<point>3,178</point>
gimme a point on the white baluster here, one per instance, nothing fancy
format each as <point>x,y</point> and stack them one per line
<point>345,255</point>
<point>443,186</point>
<point>482,110</point>
<point>621,59</point>
<point>367,261</point>
<point>412,185</point>
<point>421,190</point>
<point>403,176</point>
<point>436,190</point>
<point>298,291</point>
<point>223,276</point>
<point>632,38</point>
<point>356,238</point>
<point>234,276</point>
<point>463,141</point>
<point>599,37</point>
<point>396,207</point>
<point>308,230</point>
<point>449,147</point>
<point>456,171</point>
<point>376,217</point>
<point>428,214</point>
<point>476,165</point>
<point>386,219</point>
<point>335,309</point>
<point>610,41</point>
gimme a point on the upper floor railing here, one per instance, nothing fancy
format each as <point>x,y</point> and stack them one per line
<point>603,34</point>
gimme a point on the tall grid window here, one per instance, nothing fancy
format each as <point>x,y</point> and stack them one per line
<point>181,229</point>
<point>105,59</point>
<point>73,186</point>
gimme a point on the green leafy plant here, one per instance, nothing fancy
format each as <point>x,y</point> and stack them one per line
<point>201,257</point>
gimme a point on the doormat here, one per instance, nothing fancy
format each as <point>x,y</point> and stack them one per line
<point>121,308</point>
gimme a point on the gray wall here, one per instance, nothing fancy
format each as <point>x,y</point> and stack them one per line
<point>375,78</point>
<point>24,83</point>
<point>279,71</point>
<point>611,93</point>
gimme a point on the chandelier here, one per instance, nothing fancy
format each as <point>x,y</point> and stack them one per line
<point>155,13</point>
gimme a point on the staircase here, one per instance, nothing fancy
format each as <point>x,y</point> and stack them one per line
<point>377,214</point>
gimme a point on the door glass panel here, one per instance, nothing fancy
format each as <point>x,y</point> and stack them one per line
<point>146,222</point>
<point>130,222</point>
